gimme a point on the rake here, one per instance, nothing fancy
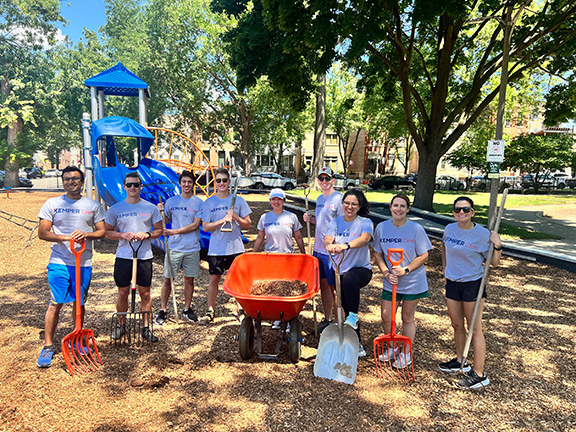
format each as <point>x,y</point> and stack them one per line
<point>79,347</point>
<point>387,348</point>
<point>131,323</point>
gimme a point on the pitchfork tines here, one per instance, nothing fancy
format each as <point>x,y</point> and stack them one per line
<point>79,347</point>
<point>392,351</point>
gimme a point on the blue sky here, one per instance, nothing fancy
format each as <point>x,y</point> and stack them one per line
<point>82,13</point>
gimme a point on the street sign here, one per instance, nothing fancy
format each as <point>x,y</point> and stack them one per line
<point>493,170</point>
<point>495,151</point>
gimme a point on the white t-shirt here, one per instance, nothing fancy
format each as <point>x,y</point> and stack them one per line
<point>327,208</point>
<point>465,252</point>
<point>223,242</point>
<point>279,230</point>
<point>139,217</point>
<point>182,212</point>
<point>345,232</point>
<point>68,216</point>
<point>413,239</point>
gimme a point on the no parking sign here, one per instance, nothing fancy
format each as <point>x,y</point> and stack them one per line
<point>495,151</point>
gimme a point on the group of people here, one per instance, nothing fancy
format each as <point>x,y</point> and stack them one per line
<point>343,237</point>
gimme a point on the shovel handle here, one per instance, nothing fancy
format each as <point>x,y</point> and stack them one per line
<point>393,308</point>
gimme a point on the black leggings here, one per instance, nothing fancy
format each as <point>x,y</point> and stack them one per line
<point>351,282</point>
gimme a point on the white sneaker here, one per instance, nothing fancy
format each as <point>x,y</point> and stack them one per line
<point>403,361</point>
<point>390,353</point>
<point>352,320</point>
<point>276,325</point>
<point>361,351</point>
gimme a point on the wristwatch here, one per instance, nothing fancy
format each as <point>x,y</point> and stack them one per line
<point>406,270</point>
<point>149,235</point>
<point>347,244</point>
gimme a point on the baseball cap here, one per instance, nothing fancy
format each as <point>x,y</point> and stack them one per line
<point>327,171</point>
<point>277,193</point>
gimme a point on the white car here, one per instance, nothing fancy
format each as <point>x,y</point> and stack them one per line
<point>52,172</point>
<point>263,180</point>
<point>343,183</point>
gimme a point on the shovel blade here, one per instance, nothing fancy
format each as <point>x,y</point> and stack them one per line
<point>337,357</point>
<point>80,352</point>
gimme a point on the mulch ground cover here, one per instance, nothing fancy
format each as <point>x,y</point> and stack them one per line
<point>193,379</point>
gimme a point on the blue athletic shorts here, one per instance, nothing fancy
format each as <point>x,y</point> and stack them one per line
<point>326,269</point>
<point>62,282</point>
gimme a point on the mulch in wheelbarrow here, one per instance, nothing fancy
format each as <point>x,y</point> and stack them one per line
<point>281,288</point>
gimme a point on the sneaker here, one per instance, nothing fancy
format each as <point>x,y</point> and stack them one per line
<point>189,314</point>
<point>161,318</point>
<point>361,351</point>
<point>241,315</point>
<point>208,318</point>
<point>390,353</point>
<point>84,350</point>
<point>118,332</point>
<point>323,324</point>
<point>276,325</point>
<point>473,381</point>
<point>403,361</point>
<point>45,359</point>
<point>454,366</point>
<point>352,320</point>
<point>148,336</point>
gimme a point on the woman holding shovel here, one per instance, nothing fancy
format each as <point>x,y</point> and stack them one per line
<point>350,235</point>
<point>409,276</point>
<point>465,246</point>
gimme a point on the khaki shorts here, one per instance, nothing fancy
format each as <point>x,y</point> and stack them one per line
<point>189,261</point>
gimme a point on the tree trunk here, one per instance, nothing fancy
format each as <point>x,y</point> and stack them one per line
<point>11,165</point>
<point>320,128</point>
<point>246,116</point>
<point>425,186</point>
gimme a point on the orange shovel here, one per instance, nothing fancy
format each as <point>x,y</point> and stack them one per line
<point>387,348</point>
<point>78,347</point>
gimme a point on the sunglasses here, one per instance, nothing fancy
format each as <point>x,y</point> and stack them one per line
<point>324,179</point>
<point>132,185</point>
<point>221,180</point>
<point>464,209</point>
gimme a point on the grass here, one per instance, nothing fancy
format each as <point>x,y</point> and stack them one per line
<point>443,201</point>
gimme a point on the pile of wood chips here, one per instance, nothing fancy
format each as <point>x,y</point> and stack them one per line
<point>281,288</point>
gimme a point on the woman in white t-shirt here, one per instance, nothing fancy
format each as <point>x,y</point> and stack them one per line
<point>350,234</point>
<point>464,248</point>
<point>409,276</point>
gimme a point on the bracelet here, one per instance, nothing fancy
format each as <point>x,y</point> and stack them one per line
<point>149,234</point>
<point>498,248</point>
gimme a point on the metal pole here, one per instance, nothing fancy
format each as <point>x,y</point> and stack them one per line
<point>87,147</point>
<point>495,182</point>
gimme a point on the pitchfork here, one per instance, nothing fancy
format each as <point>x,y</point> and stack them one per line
<point>78,346</point>
<point>393,343</point>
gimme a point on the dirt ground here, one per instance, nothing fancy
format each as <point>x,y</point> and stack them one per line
<point>195,380</point>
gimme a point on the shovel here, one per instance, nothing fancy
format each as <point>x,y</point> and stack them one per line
<point>337,357</point>
<point>132,321</point>
<point>392,342</point>
<point>78,346</point>
<point>306,193</point>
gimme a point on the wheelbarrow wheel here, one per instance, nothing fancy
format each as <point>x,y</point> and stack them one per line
<point>246,338</point>
<point>294,345</point>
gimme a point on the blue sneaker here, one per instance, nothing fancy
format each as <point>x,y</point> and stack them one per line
<point>352,320</point>
<point>45,359</point>
<point>84,350</point>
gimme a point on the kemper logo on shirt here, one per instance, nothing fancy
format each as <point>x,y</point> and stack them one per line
<point>287,224</point>
<point>396,240</point>
<point>216,209</point>
<point>73,211</point>
<point>125,215</point>
<point>461,243</point>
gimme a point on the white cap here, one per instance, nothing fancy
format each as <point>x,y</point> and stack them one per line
<point>277,193</point>
<point>327,171</point>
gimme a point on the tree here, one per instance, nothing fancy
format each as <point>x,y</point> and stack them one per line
<point>443,56</point>
<point>539,155</point>
<point>26,28</point>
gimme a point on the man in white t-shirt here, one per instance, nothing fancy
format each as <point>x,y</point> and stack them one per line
<point>185,212</point>
<point>133,220</point>
<point>328,207</point>
<point>66,217</point>
<point>224,245</point>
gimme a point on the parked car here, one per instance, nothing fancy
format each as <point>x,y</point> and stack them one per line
<point>482,183</point>
<point>446,182</point>
<point>52,172</point>
<point>561,180</point>
<point>271,180</point>
<point>388,182</point>
<point>412,177</point>
<point>571,183</point>
<point>543,181</point>
<point>34,172</point>
<point>345,183</point>
<point>23,182</point>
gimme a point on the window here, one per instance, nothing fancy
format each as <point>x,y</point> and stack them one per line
<point>331,140</point>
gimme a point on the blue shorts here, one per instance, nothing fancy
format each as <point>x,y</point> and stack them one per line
<point>326,269</point>
<point>62,282</point>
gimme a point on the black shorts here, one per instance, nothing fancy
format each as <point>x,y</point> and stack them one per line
<point>463,291</point>
<point>123,272</point>
<point>218,264</point>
